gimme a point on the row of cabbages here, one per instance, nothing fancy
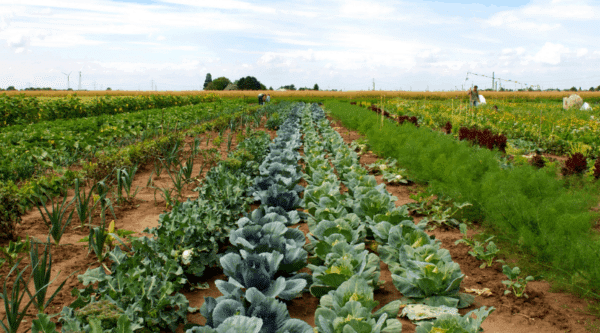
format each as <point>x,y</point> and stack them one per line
<point>265,255</point>
<point>344,272</point>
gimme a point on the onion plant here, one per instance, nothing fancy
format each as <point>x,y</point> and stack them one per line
<point>13,298</point>
<point>82,201</point>
<point>54,219</point>
<point>41,271</point>
<point>124,182</point>
<point>229,139</point>
<point>186,169</point>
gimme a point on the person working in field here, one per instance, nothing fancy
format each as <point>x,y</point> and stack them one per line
<point>474,96</point>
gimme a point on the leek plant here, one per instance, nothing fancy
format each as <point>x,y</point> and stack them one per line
<point>186,169</point>
<point>124,183</point>
<point>54,219</point>
<point>82,201</point>
<point>178,180</point>
<point>229,139</point>
<point>41,272</point>
<point>13,299</point>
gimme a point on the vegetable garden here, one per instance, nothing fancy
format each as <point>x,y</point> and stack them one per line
<point>287,231</point>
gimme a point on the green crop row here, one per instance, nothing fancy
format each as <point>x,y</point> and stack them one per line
<point>21,109</point>
<point>27,150</point>
<point>545,216</point>
<point>546,123</point>
<point>15,200</point>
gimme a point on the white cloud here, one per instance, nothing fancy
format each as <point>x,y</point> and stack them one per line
<point>512,20</point>
<point>581,52</point>
<point>224,4</point>
<point>550,54</point>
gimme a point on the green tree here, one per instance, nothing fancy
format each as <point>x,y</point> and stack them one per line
<point>289,87</point>
<point>249,83</point>
<point>10,88</point>
<point>218,84</point>
<point>270,88</point>
<point>592,89</point>
<point>573,89</point>
<point>316,87</point>
<point>207,81</point>
<point>108,89</point>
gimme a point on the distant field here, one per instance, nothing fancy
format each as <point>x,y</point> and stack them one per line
<point>555,95</point>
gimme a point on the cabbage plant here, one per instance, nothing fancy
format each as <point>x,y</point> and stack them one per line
<point>273,313</point>
<point>260,271</point>
<point>421,280</point>
<point>273,236</point>
<point>343,261</point>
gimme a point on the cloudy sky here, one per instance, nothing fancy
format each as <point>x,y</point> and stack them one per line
<point>402,45</point>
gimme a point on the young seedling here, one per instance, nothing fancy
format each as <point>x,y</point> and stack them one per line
<point>395,176</point>
<point>515,284</point>
<point>486,254</point>
<point>466,240</point>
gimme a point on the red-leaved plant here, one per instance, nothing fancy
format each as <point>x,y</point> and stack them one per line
<point>576,164</point>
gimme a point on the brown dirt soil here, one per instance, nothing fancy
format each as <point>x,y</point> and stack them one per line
<point>544,311</point>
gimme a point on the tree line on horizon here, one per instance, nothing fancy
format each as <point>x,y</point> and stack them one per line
<point>244,83</point>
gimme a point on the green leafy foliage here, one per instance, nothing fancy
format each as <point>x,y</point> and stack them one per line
<point>416,279</point>
<point>515,284</point>
<point>13,249</point>
<point>455,323</point>
<point>486,252</point>
<point>274,314</point>
<point>273,236</point>
<point>341,261</point>
<point>260,271</point>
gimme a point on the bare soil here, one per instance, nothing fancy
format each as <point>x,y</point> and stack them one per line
<point>543,311</point>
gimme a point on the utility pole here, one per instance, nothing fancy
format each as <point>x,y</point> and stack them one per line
<point>373,84</point>
<point>79,85</point>
<point>493,81</point>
